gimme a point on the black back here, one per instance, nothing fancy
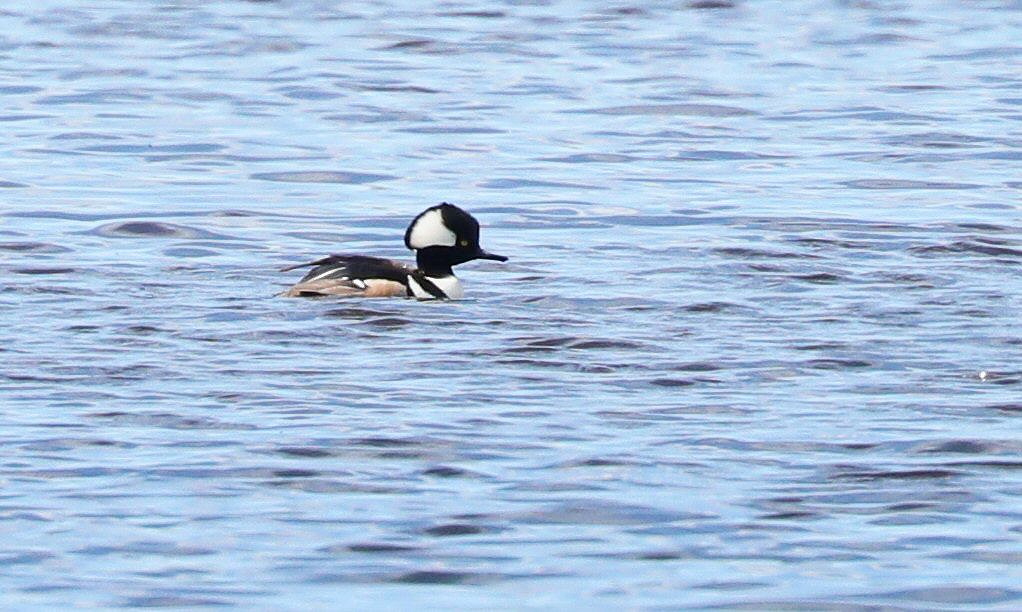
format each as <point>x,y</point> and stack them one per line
<point>355,267</point>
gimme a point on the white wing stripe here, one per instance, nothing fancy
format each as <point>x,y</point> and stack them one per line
<point>417,289</point>
<point>327,273</point>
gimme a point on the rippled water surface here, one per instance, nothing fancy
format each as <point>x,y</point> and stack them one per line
<point>757,346</point>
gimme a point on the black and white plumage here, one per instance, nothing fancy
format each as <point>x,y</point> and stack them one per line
<point>442,236</point>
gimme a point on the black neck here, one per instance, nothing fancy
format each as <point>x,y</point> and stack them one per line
<point>434,261</point>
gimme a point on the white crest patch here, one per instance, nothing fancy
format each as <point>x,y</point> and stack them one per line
<point>429,230</point>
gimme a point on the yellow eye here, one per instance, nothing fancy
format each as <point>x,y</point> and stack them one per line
<point>464,243</point>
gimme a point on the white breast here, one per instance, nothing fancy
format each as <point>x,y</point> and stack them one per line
<point>450,285</point>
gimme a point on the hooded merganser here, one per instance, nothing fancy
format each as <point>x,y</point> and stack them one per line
<point>442,236</point>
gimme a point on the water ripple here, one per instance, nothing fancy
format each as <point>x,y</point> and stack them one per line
<point>756,345</point>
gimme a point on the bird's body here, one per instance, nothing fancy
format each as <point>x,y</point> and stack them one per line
<point>360,275</point>
<point>442,236</point>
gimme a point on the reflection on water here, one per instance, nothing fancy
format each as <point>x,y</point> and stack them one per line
<point>756,347</point>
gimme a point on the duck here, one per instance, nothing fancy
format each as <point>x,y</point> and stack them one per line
<point>442,236</point>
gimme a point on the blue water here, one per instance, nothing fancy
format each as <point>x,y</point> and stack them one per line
<point>757,346</point>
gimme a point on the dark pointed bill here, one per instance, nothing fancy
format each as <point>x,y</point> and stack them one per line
<point>484,255</point>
